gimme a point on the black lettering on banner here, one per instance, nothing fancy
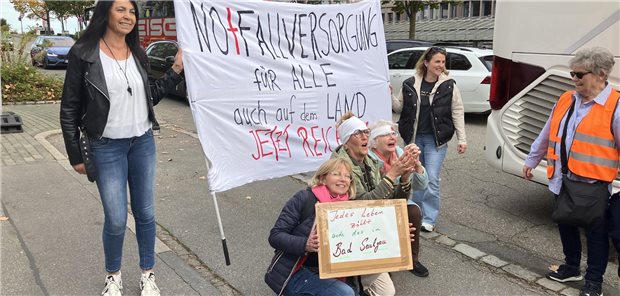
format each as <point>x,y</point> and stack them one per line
<point>314,45</point>
<point>356,103</point>
<point>211,11</point>
<point>341,37</point>
<point>284,114</point>
<point>290,42</point>
<point>199,30</point>
<point>242,28</point>
<point>265,78</point>
<point>323,66</point>
<point>327,35</point>
<point>354,37</point>
<point>301,36</point>
<point>250,116</point>
<point>270,39</point>
<point>280,35</point>
<point>261,39</point>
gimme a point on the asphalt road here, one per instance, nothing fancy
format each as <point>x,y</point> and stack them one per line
<point>498,213</point>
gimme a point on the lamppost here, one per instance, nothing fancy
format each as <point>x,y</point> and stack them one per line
<point>21,24</point>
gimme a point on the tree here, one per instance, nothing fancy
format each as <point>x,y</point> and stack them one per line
<point>411,8</point>
<point>4,26</point>
<point>33,9</point>
<point>66,9</point>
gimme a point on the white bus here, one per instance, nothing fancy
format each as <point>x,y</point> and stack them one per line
<point>532,44</point>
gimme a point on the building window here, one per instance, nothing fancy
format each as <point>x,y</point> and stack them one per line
<point>398,17</point>
<point>390,17</point>
<point>475,10</point>
<point>453,11</point>
<point>444,10</point>
<point>466,8</point>
<point>487,8</point>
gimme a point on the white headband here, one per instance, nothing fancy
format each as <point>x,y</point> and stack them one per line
<point>349,126</point>
<point>381,131</point>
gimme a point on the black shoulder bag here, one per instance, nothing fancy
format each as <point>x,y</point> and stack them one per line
<point>579,204</point>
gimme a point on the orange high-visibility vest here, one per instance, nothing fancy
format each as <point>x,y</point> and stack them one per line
<point>593,153</point>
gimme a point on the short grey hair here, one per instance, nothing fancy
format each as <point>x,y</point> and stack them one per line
<point>594,59</point>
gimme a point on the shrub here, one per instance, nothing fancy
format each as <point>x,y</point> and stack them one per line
<point>22,82</point>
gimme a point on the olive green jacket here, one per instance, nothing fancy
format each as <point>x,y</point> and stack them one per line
<point>383,187</point>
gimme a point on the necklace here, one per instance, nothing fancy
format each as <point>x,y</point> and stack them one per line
<point>119,65</point>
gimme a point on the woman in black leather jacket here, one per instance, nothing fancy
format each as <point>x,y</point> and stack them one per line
<point>108,98</point>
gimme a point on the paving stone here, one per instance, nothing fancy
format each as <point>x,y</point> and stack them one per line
<point>521,272</point>
<point>570,292</point>
<point>429,235</point>
<point>442,239</point>
<point>493,261</point>
<point>469,251</point>
<point>551,285</point>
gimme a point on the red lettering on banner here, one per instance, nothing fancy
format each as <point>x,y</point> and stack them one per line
<point>274,139</point>
<point>310,142</point>
<point>233,30</point>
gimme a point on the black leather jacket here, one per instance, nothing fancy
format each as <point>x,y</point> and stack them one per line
<point>85,98</point>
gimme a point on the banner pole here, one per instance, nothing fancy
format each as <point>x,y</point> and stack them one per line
<point>219,223</point>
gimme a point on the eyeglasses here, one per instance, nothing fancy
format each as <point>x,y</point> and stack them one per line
<point>358,133</point>
<point>340,175</point>
<point>393,134</point>
<point>579,75</point>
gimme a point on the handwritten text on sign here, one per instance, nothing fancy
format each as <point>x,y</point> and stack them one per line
<point>361,234</point>
<point>267,81</point>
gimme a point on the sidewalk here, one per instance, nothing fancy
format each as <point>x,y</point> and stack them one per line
<point>51,243</point>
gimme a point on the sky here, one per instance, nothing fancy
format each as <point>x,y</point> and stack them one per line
<point>11,15</point>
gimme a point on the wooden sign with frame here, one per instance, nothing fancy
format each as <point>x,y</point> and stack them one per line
<point>363,237</point>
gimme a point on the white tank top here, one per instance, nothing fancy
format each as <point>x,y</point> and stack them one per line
<point>128,116</point>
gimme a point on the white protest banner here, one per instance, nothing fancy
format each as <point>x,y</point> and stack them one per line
<point>267,81</point>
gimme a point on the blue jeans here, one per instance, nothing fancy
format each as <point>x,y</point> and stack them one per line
<point>432,160</point>
<point>598,249</point>
<point>306,282</point>
<point>120,162</point>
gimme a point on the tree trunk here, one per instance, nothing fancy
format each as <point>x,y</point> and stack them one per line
<point>62,26</point>
<point>412,28</point>
<point>49,26</point>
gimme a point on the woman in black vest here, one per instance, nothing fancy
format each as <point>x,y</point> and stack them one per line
<point>432,111</point>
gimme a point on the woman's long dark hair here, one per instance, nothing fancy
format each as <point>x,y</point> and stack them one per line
<point>99,24</point>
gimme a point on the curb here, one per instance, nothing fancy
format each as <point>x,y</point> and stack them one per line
<point>164,241</point>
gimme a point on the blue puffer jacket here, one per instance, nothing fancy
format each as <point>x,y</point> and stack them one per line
<point>288,236</point>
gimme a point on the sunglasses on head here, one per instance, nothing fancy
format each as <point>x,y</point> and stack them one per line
<point>579,75</point>
<point>435,49</point>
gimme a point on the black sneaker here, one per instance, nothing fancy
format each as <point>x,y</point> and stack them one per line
<point>565,274</point>
<point>591,289</point>
<point>419,270</point>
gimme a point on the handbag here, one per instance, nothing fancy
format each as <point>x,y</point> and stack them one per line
<point>91,172</point>
<point>579,204</point>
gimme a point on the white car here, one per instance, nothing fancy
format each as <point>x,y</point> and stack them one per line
<point>470,68</point>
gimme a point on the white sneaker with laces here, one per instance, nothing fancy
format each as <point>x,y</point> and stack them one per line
<point>148,286</point>
<point>113,286</point>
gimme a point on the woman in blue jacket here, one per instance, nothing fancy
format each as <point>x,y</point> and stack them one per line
<point>295,267</point>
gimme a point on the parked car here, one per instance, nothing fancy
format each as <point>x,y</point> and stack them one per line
<point>161,57</point>
<point>470,68</point>
<point>48,51</point>
<point>395,44</point>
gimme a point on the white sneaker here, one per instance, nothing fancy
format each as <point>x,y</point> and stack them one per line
<point>113,286</point>
<point>427,227</point>
<point>148,286</point>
